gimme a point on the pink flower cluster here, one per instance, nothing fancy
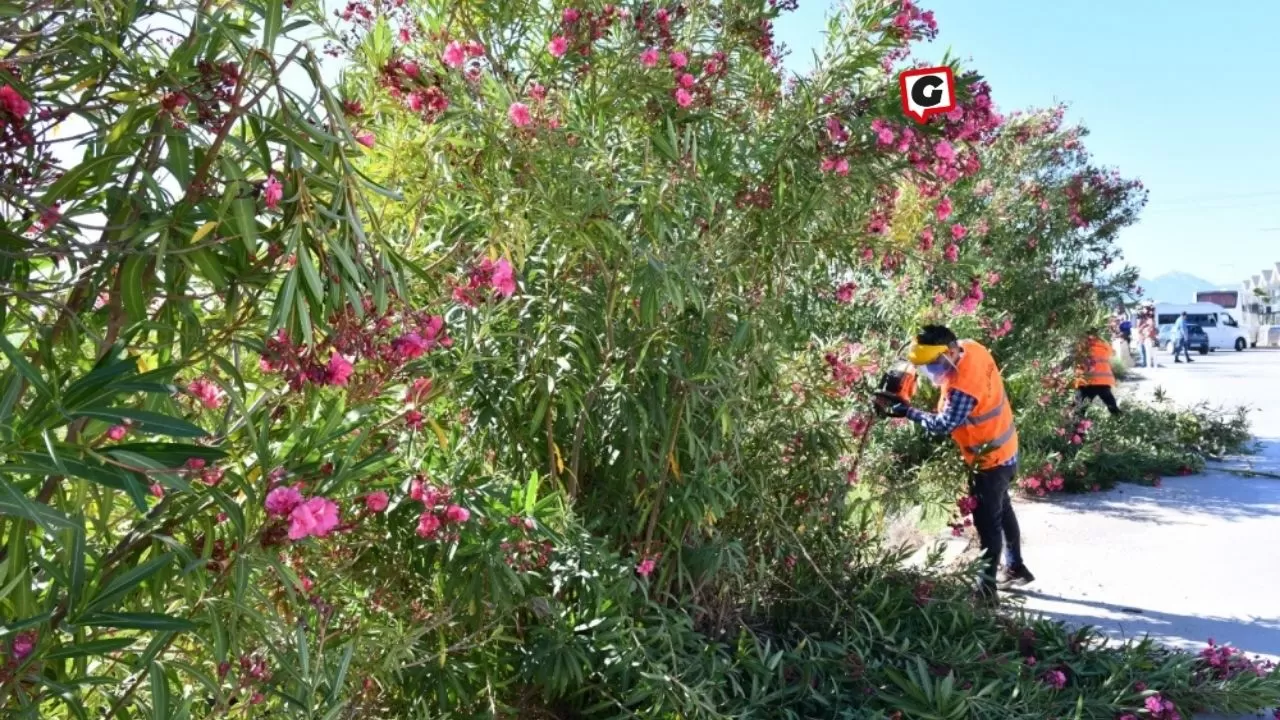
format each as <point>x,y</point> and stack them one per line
<point>1043,481</point>
<point>525,554</point>
<point>844,293</point>
<point>207,392</point>
<point>1161,708</point>
<point>968,304</point>
<point>965,507</point>
<point>381,343</point>
<point>199,468</point>
<point>308,517</point>
<point>488,275</point>
<point>1055,679</point>
<point>440,517</point>
<point>997,331</point>
<point>1223,662</point>
<point>648,563</point>
<point>849,364</point>
<point>910,22</point>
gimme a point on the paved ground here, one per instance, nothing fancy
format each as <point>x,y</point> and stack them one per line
<point>1191,560</point>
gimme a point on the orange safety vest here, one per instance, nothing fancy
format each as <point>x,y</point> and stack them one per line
<point>987,437</point>
<point>1097,368</point>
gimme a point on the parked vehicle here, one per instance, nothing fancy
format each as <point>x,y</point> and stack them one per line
<point>1221,326</point>
<point>1196,337</point>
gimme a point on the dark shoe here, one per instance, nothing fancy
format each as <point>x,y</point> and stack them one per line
<point>1190,360</point>
<point>1014,576</point>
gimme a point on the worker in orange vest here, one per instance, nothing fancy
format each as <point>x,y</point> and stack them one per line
<point>975,411</point>
<point>1094,377</point>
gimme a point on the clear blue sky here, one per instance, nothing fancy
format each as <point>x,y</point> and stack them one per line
<point>1158,83</point>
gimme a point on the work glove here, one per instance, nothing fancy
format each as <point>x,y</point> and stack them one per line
<point>890,406</point>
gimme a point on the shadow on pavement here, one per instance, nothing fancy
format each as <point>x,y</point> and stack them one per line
<point>1253,636</point>
<point>1224,491</point>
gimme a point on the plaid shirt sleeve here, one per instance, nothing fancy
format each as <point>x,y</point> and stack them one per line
<point>958,407</point>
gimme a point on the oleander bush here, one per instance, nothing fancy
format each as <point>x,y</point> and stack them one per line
<point>491,359</point>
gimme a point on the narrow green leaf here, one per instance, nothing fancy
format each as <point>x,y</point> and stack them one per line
<point>93,647</point>
<point>25,368</point>
<point>159,693</point>
<point>14,502</point>
<point>125,583</point>
<point>138,621</point>
<point>133,285</point>
<point>144,421</point>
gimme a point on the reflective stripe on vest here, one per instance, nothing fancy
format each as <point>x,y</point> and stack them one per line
<point>996,444</point>
<point>991,414</point>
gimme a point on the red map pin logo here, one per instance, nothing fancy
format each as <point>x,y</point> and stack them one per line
<point>927,92</point>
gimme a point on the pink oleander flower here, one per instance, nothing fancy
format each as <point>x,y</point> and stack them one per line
<point>686,81</point>
<point>116,433</point>
<point>503,278</point>
<point>683,98</point>
<point>558,46</point>
<point>951,252</point>
<point>646,566</point>
<point>678,60</point>
<point>157,491</point>
<point>1055,679</point>
<point>1076,439</point>
<point>272,192</point>
<point>339,370</point>
<point>456,514</point>
<point>944,150</point>
<point>844,293</point>
<point>366,138</point>
<point>958,231</point>
<point>24,643</point>
<point>316,517</point>
<point>858,424</point>
<point>282,500</point>
<point>207,392</point>
<point>943,211</point>
<point>454,54</point>
<point>649,58</point>
<point>967,504</point>
<point>570,16</point>
<point>413,419</point>
<point>376,501</point>
<point>12,102</point>
<point>410,68</point>
<point>519,115</point>
<point>428,524</point>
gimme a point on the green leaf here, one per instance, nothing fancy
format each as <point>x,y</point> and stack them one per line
<point>133,284</point>
<point>144,421</point>
<point>159,692</point>
<point>93,647</point>
<point>25,368</point>
<point>125,583</point>
<point>271,23</point>
<point>138,621</point>
<point>14,502</point>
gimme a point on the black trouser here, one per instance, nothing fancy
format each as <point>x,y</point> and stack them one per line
<point>994,519</point>
<point>1086,394</point>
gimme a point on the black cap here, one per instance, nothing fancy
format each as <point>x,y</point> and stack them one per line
<point>935,335</point>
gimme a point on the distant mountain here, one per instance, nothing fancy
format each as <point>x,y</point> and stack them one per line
<point>1177,287</point>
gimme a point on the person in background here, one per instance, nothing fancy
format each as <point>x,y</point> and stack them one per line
<point>1148,332</point>
<point>1094,377</point>
<point>975,411</point>
<point>1123,343</point>
<point>1181,341</point>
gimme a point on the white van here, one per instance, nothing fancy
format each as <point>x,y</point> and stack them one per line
<point>1223,330</point>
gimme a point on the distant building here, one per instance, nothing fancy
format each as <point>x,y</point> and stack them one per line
<point>1261,306</point>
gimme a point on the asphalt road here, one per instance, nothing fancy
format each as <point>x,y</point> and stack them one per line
<point>1190,560</point>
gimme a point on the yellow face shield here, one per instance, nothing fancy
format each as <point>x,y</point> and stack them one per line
<point>925,354</point>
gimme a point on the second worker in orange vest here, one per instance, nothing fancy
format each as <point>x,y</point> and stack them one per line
<point>1094,377</point>
<point>975,411</point>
